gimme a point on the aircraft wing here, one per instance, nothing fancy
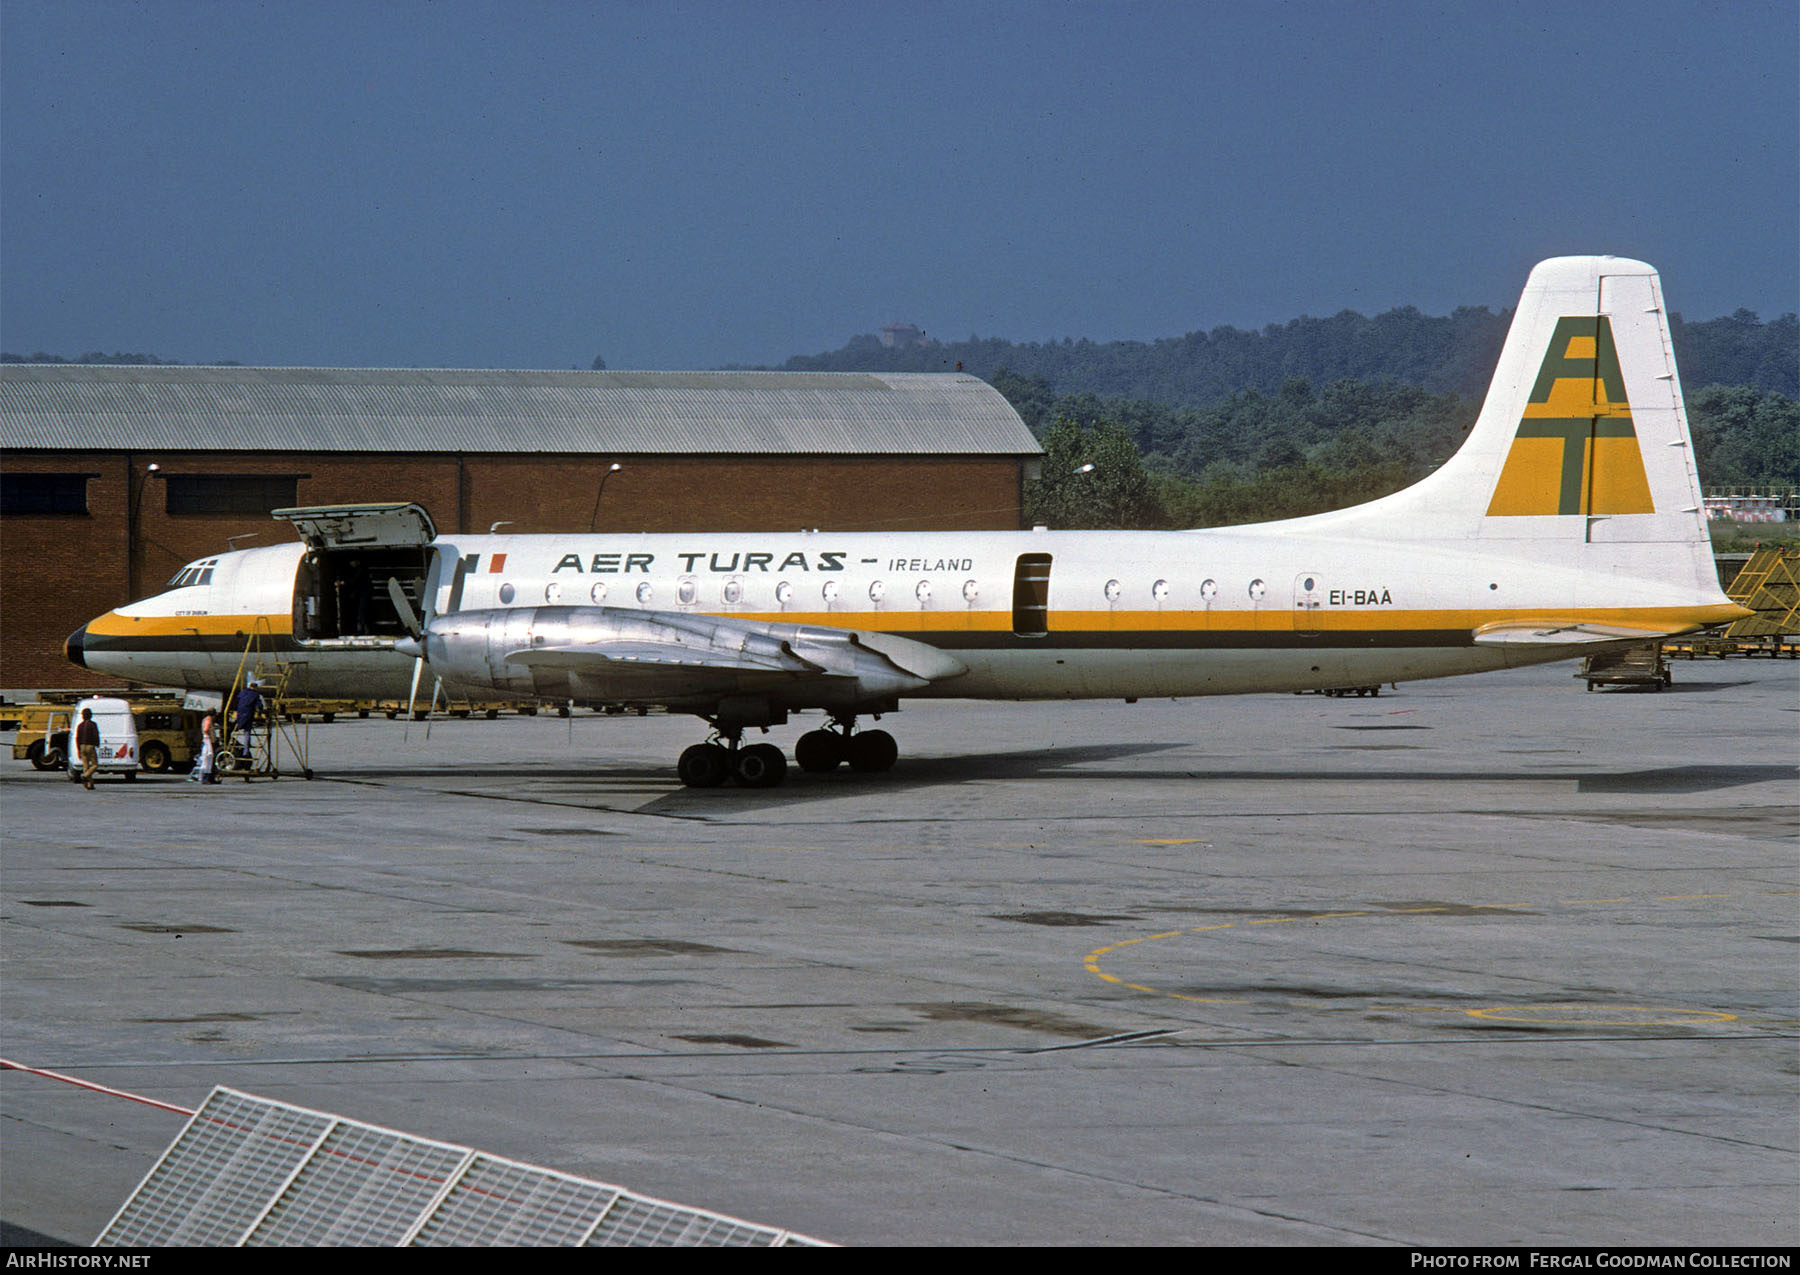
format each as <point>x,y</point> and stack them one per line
<point>615,656</point>
<point>608,653</point>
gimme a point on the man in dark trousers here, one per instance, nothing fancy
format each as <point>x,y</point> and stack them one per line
<point>87,747</point>
<point>244,709</point>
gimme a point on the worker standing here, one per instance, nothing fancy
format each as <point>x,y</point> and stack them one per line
<point>244,708</point>
<point>203,769</point>
<point>87,747</point>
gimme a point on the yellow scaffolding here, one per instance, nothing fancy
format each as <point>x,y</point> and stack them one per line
<point>1769,584</point>
<point>259,754</point>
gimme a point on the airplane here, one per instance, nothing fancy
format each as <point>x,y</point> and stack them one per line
<point>1570,521</point>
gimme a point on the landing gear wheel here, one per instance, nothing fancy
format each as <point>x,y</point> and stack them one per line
<point>819,752</point>
<point>704,766</point>
<point>154,757</point>
<point>760,766</point>
<point>872,750</point>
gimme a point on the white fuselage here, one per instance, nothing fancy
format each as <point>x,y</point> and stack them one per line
<point>1128,613</point>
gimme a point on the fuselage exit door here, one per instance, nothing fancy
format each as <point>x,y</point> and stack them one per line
<point>1031,595</point>
<point>1309,601</point>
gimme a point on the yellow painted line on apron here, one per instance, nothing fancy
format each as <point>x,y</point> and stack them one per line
<point>1607,1016</point>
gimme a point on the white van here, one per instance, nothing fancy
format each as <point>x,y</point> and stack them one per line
<point>118,738</point>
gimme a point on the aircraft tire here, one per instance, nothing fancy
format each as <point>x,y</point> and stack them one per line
<point>872,751</point>
<point>760,766</point>
<point>704,766</point>
<point>819,752</point>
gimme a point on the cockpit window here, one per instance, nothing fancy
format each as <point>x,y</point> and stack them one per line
<point>192,574</point>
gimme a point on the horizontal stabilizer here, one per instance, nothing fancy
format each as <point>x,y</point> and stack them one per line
<point>1564,633</point>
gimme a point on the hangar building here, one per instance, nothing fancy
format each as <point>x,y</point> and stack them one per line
<point>112,478</point>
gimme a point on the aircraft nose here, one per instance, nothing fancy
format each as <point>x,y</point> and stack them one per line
<point>73,648</point>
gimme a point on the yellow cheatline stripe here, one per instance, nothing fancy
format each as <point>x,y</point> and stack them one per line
<point>1274,619</point>
<point>112,624</point>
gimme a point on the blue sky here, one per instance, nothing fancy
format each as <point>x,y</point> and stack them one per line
<point>683,185</point>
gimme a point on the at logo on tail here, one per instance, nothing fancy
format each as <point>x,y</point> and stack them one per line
<point>1576,451</point>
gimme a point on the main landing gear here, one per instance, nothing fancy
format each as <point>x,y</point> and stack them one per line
<point>710,764</point>
<point>726,756</point>
<point>824,750</point>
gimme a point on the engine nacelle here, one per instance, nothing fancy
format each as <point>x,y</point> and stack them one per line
<point>694,662</point>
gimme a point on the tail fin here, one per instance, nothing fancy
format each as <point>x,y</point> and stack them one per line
<point>1581,453</point>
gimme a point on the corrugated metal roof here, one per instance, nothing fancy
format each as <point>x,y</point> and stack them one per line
<point>84,407</point>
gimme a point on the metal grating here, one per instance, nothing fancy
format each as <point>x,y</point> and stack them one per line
<point>219,1175</point>
<point>645,1223</point>
<point>498,1202</point>
<point>364,1186</point>
<point>251,1171</point>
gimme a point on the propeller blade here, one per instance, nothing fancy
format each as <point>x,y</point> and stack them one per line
<point>411,696</point>
<point>403,608</point>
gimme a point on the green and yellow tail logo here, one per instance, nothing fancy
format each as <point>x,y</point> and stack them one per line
<point>1576,451</point>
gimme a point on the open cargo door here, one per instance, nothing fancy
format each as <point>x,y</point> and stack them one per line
<point>341,591</point>
<point>358,526</point>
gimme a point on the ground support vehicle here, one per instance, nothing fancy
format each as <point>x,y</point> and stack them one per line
<point>168,735</point>
<point>1641,665</point>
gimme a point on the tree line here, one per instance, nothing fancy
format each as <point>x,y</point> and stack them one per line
<point>1256,457</point>
<point>1452,354</point>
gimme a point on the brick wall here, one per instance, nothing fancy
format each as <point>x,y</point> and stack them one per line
<point>59,571</point>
